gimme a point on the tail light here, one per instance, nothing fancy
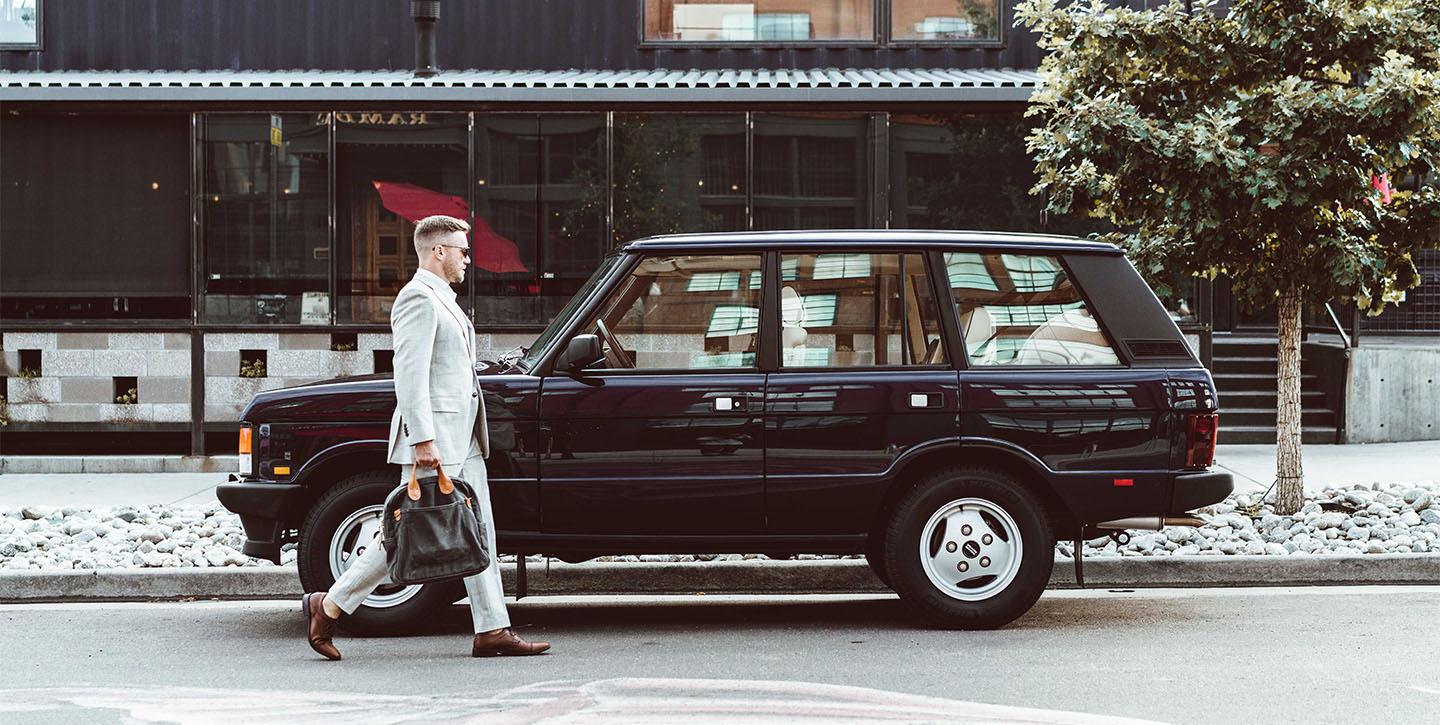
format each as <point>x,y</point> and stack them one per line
<point>246,463</point>
<point>1202,429</point>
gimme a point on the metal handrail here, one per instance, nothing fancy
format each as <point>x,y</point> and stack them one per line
<point>1335,319</point>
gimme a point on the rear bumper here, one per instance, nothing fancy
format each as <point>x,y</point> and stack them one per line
<point>264,507</point>
<point>1193,490</point>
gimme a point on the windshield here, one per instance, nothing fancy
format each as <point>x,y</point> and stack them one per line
<point>528,361</point>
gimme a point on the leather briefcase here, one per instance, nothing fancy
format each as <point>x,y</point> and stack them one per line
<point>432,530</point>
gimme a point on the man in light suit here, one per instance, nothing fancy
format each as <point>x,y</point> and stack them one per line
<point>439,420</point>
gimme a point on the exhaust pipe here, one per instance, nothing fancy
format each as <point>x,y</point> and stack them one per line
<point>425,13</point>
<point>1150,523</point>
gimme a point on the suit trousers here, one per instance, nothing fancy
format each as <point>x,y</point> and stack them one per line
<point>487,594</point>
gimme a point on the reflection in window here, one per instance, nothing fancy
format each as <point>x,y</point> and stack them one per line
<point>539,186</point>
<point>859,310</point>
<point>945,20</point>
<point>967,269</point>
<point>391,170</point>
<point>714,282</point>
<point>266,211</point>
<point>20,24</point>
<point>728,21</point>
<point>95,216</point>
<point>842,266</point>
<point>678,173</point>
<point>969,171</point>
<point>811,171</point>
<point>1023,310</point>
<point>733,320</point>
<point>682,312</point>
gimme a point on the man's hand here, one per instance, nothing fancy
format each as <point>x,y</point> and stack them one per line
<point>427,455</point>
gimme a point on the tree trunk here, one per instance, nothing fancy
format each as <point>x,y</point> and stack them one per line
<point>1290,483</point>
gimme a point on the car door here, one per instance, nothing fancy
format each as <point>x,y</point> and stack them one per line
<point>665,435</point>
<point>863,376</point>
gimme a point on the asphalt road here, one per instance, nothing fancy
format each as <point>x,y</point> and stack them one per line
<point>1357,654</point>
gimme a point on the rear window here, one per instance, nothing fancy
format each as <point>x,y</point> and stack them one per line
<point>1023,310</point>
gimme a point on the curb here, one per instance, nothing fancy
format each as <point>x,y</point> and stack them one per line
<point>118,464</point>
<point>848,576</point>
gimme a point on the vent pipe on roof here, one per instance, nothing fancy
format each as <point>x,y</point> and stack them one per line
<point>425,13</point>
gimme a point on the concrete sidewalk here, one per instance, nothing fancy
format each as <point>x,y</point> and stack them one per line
<point>1252,465</point>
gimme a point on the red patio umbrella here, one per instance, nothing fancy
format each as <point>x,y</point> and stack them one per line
<point>488,250</point>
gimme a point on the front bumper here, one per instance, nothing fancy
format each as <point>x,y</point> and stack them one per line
<point>264,508</point>
<point>1193,490</point>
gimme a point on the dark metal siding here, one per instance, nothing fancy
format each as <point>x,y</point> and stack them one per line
<point>378,34</point>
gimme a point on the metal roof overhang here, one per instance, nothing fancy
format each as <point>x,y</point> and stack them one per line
<point>741,86</point>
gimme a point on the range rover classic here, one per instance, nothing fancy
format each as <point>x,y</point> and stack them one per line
<point>947,404</point>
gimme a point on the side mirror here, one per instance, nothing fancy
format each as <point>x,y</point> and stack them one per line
<point>582,352</point>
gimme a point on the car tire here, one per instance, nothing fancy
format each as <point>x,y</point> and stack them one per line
<point>337,526</point>
<point>969,548</point>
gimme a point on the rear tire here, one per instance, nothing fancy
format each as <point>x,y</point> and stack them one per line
<point>338,528</point>
<point>969,548</point>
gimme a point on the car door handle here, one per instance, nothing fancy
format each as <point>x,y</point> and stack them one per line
<point>926,400</point>
<point>731,403</point>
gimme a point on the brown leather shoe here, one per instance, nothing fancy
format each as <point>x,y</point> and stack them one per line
<point>505,643</point>
<point>322,627</point>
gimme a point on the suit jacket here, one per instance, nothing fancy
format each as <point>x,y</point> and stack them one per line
<point>437,394</point>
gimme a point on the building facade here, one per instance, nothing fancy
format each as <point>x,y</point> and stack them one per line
<point>185,222</point>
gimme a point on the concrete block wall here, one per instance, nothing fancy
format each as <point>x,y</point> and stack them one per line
<point>77,369</point>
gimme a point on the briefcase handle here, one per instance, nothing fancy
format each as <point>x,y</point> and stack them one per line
<point>413,488</point>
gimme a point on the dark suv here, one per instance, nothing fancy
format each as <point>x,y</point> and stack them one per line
<point>946,403</point>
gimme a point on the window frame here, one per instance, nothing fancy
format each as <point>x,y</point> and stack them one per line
<point>39,43</point>
<point>964,363</point>
<point>1001,41</point>
<point>882,14</point>
<point>772,281</point>
<point>877,37</point>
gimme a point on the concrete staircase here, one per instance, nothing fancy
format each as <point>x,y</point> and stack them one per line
<point>1245,371</point>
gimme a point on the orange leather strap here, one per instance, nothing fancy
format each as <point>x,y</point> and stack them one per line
<point>412,489</point>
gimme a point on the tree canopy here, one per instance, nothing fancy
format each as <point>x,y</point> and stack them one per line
<point>1260,141</point>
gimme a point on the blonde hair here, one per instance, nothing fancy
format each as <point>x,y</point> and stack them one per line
<point>429,230</point>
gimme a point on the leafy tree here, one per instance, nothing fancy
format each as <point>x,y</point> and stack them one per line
<point>1256,142</point>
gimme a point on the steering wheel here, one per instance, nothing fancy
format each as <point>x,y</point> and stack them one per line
<point>615,356</point>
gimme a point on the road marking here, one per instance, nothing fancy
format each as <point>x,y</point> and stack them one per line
<point>618,700</point>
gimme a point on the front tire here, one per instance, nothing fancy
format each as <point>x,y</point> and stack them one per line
<point>969,548</point>
<point>339,527</point>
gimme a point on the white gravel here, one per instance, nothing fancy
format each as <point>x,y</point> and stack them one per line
<point>1363,519</point>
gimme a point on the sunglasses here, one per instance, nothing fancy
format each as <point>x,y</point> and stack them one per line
<point>463,250</point>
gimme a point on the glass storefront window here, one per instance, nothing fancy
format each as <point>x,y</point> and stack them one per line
<point>540,207</point>
<point>392,169</point>
<point>969,171</point>
<point>678,173</point>
<point>266,218</point>
<point>20,24</point>
<point>95,216</point>
<point>759,21</point>
<point>945,20</point>
<point>812,171</point>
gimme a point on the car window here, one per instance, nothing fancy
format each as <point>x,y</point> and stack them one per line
<point>1022,309</point>
<point>682,312</point>
<point>857,310</point>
